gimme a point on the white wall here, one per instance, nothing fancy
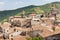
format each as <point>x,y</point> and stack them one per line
<point>15,33</point>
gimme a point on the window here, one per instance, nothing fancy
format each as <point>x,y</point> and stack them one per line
<point>11,35</point>
<point>17,30</point>
<point>14,29</point>
<point>23,34</point>
<point>37,20</point>
<point>11,38</point>
<point>7,30</point>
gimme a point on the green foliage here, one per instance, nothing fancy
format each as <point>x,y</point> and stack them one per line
<point>28,38</point>
<point>35,38</point>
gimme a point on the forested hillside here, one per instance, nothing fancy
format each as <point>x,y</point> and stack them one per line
<point>32,8</point>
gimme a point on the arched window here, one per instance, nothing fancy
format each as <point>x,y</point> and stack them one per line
<point>16,23</point>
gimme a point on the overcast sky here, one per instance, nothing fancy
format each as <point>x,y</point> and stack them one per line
<point>13,4</point>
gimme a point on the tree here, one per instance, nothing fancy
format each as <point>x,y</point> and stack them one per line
<point>35,38</point>
<point>38,10</point>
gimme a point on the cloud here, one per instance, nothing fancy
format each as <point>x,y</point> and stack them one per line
<point>51,0</point>
<point>2,3</point>
<point>19,2</point>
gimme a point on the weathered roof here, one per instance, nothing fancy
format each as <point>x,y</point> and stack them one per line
<point>46,32</point>
<point>33,14</point>
<point>11,30</point>
<point>22,29</point>
<point>1,34</point>
<point>5,25</point>
<point>18,37</point>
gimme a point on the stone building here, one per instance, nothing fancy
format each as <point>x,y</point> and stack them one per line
<point>20,22</point>
<point>47,26</point>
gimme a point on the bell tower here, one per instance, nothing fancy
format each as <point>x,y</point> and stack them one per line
<point>23,14</point>
<point>53,12</point>
<point>52,8</point>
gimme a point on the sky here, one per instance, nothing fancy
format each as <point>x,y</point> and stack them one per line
<point>14,4</point>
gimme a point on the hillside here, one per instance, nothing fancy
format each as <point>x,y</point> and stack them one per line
<point>38,9</point>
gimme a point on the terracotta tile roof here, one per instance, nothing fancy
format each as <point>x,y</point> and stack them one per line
<point>1,34</point>
<point>46,32</point>
<point>23,29</point>
<point>11,30</point>
<point>19,37</point>
<point>33,14</point>
<point>5,25</point>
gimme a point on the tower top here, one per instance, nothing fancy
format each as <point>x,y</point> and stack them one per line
<point>23,14</point>
<point>52,7</point>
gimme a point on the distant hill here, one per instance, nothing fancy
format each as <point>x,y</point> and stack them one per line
<point>32,8</point>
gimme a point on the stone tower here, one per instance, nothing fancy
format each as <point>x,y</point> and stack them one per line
<point>23,14</point>
<point>53,12</point>
<point>52,7</point>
